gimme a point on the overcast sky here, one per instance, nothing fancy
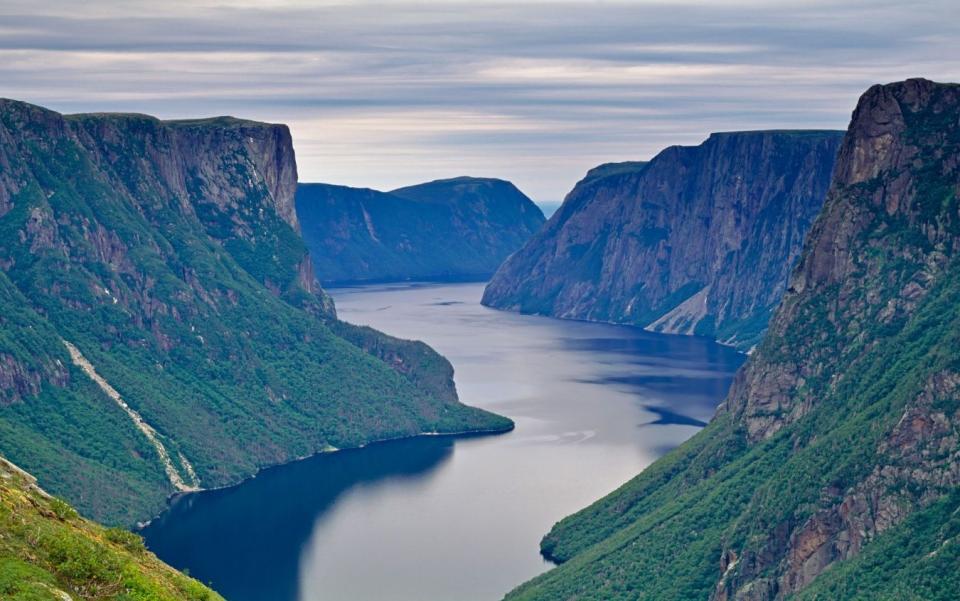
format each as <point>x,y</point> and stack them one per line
<point>393,93</point>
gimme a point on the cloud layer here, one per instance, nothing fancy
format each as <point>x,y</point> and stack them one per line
<point>395,92</point>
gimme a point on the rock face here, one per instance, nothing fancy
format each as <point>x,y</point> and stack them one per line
<point>166,255</point>
<point>881,254</point>
<point>832,469</point>
<point>460,228</point>
<point>700,240</point>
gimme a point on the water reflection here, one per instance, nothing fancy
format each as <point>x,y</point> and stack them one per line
<point>251,536</point>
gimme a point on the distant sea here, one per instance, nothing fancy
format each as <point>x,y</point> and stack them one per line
<point>549,207</point>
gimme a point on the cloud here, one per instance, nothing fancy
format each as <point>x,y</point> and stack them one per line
<point>383,94</point>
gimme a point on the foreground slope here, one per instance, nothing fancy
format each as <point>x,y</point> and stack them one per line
<point>700,240</point>
<point>460,228</point>
<point>160,325</point>
<point>832,469</point>
<point>49,553</point>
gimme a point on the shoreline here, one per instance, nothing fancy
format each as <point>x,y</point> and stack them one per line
<point>172,497</point>
<point>747,352</point>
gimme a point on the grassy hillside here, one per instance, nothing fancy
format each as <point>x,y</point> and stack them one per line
<point>48,552</point>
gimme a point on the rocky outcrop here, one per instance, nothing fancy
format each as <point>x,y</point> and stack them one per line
<point>224,171</point>
<point>460,229</point>
<point>841,433</point>
<point>167,254</point>
<point>700,240</point>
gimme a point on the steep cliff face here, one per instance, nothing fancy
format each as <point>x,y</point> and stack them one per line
<point>460,228</point>
<point>161,325</point>
<point>832,469</point>
<point>700,240</point>
<point>237,177</point>
<point>881,266</point>
<point>49,553</point>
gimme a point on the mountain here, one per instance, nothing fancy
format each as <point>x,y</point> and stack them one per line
<point>48,552</point>
<point>832,469</point>
<point>161,328</point>
<point>699,240</point>
<point>460,228</point>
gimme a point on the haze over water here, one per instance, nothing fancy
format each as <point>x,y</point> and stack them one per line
<point>439,518</point>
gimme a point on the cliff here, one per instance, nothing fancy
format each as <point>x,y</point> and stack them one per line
<point>832,469</point>
<point>460,228</point>
<point>162,326</point>
<point>700,240</point>
<point>49,553</point>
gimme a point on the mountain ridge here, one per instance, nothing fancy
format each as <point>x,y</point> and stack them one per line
<point>449,229</point>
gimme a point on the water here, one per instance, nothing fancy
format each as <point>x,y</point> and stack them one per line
<point>444,519</point>
<point>549,207</point>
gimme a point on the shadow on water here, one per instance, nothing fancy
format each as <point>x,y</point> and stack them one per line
<point>647,347</point>
<point>693,376</point>
<point>665,417</point>
<point>246,540</point>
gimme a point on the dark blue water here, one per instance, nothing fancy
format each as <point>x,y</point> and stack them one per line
<point>443,519</point>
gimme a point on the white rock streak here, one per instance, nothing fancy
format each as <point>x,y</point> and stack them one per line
<point>172,474</point>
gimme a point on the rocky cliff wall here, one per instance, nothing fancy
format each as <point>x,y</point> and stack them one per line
<point>700,240</point>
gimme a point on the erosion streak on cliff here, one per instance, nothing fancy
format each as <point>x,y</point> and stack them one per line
<point>169,253</point>
<point>699,240</point>
<point>175,479</point>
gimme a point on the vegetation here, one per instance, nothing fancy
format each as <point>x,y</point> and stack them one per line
<point>47,550</point>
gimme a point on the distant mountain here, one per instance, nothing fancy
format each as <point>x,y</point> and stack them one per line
<point>832,469</point>
<point>47,551</point>
<point>460,228</point>
<point>162,328</point>
<point>699,240</point>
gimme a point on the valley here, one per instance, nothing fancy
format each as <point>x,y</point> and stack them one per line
<point>437,518</point>
<point>728,372</point>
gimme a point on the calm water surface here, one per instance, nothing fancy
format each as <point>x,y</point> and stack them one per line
<point>444,519</point>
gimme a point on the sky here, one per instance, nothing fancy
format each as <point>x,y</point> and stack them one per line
<point>391,93</point>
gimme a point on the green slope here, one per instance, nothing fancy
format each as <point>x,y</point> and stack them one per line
<point>48,551</point>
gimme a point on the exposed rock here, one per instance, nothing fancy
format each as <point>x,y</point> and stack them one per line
<point>16,381</point>
<point>700,240</point>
